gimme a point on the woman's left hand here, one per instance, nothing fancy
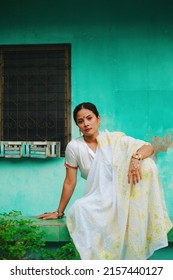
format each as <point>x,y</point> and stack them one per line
<point>134,174</point>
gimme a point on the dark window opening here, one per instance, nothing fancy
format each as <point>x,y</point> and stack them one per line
<point>35,97</point>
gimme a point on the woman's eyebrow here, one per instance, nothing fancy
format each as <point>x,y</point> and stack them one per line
<point>90,115</point>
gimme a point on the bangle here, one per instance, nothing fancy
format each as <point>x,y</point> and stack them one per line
<point>58,212</point>
<point>137,156</point>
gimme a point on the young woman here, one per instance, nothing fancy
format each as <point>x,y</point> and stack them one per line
<point>122,214</point>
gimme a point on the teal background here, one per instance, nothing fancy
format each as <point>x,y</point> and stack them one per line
<point>122,60</point>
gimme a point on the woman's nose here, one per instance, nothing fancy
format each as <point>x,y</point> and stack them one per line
<point>85,122</point>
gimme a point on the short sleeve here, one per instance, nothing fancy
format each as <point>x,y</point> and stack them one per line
<point>70,156</point>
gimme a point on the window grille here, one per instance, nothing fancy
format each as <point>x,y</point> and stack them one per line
<point>35,93</point>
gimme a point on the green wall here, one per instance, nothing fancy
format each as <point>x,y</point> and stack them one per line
<point>122,60</point>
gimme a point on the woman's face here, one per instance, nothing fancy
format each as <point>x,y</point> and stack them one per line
<point>87,122</point>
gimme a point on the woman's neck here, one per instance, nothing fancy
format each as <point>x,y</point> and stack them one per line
<point>90,139</point>
<point>91,143</point>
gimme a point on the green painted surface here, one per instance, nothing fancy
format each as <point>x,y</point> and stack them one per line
<point>163,254</point>
<point>122,60</point>
<point>55,230</point>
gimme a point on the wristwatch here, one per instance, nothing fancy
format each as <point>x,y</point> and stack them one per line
<point>137,156</point>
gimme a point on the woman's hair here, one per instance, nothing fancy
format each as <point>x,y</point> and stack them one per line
<point>85,105</point>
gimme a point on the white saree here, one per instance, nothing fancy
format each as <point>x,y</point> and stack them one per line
<point>115,220</point>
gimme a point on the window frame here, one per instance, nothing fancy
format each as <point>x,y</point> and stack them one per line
<point>67,97</point>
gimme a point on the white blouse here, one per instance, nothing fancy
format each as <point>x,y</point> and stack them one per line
<point>79,155</point>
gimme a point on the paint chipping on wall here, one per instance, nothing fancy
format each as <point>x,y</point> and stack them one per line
<point>162,144</point>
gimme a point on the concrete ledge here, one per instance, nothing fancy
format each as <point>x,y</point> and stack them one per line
<point>56,230</point>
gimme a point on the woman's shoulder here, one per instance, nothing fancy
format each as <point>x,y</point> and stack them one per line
<point>75,142</point>
<point>112,133</point>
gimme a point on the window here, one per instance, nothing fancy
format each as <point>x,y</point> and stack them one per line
<point>35,97</point>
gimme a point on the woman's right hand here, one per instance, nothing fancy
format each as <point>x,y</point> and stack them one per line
<point>50,216</point>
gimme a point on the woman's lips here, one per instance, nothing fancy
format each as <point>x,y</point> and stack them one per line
<point>87,129</point>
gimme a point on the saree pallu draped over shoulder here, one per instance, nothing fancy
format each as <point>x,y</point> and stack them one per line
<point>115,220</point>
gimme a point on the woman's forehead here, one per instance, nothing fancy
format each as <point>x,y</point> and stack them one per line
<point>83,113</point>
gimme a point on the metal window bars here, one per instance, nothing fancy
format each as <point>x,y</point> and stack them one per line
<point>36,149</point>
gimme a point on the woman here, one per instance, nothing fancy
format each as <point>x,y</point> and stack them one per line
<point>122,214</point>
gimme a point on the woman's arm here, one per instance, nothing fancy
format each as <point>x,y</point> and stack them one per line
<point>145,151</point>
<point>134,174</point>
<point>67,191</point>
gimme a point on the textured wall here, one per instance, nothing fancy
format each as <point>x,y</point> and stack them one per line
<point>122,60</point>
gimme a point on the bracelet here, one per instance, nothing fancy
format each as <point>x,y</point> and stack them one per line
<point>59,213</point>
<point>137,156</point>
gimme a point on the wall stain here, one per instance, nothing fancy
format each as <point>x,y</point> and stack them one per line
<point>162,144</point>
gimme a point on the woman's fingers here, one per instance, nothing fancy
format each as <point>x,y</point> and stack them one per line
<point>47,216</point>
<point>134,176</point>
